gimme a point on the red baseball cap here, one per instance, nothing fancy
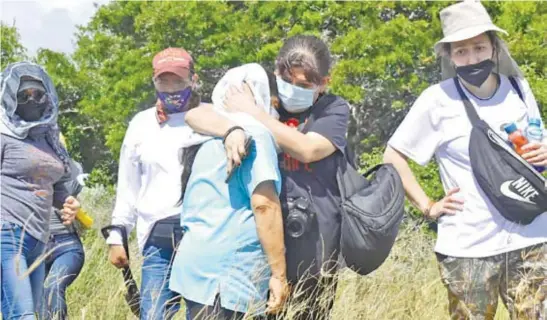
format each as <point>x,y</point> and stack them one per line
<point>174,60</point>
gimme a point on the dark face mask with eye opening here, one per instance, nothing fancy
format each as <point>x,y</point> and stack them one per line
<point>32,100</point>
<point>31,105</point>
<point>31,111</point>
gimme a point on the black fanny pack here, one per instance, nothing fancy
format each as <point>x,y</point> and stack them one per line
<point>511,184</point>
<point>166,233</point>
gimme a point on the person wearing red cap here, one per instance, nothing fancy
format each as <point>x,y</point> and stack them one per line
<point>175,82</point>
<point>148,181</point>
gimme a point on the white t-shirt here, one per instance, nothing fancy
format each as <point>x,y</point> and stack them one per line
<point>437,124</point>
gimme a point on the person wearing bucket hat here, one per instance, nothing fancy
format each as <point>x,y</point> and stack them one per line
<point>481,255</point>
<point>34,168</point>
<point>148,181</point>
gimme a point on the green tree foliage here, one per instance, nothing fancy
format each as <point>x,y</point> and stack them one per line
<point>83,142</point>
<point>527,40</point>
<point>11,49</point>
<point>383,60</point>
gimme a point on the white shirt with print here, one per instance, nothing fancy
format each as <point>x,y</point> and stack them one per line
<point>437,125</point>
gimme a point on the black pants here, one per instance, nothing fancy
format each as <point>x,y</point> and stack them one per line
<point>312,266</point>
<point>314,298</point>
<point>198,311</point>
<point>313,284</point>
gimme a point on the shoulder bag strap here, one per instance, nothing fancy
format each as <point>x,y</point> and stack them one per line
<point>469,108</point>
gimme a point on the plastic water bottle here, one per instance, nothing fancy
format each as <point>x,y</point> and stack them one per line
<point>516,137</point>
<point>534,133</point>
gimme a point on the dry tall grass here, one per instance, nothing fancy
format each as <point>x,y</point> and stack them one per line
<point>407,286</point>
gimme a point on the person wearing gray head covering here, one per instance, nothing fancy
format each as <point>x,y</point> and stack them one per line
<point>66,255</point>
<point>482,256</point>
<point>34,167</point>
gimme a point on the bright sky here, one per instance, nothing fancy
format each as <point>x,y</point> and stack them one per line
<point>47,23</point>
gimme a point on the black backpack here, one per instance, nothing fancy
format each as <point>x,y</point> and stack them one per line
<point>511,184</point>
<point>372,208</point>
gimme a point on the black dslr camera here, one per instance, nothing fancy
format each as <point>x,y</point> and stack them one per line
<point>300,217</point>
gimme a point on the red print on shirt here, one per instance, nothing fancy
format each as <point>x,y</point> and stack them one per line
<point>289,163</point>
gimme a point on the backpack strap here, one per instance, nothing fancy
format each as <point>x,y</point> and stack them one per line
<point>1,154</point>
<point>187,159</point>
<point>531,112</point>
<point>349,155</point>
<point>342,170</point>
<point>322,103</point>
<point>515,85</point>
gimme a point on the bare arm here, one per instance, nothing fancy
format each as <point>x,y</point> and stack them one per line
<point>413,190</point>
<point>205,120</point>
<point>306,148</point>
<point>269,226</point>
<point>415,193</point>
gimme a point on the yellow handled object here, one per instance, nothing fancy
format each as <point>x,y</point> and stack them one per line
<point>84,218</point>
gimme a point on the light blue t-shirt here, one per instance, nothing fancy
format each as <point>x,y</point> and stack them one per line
<point>220,252</point>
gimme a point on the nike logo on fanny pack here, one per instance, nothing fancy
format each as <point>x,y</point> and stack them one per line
<point>524,190</point>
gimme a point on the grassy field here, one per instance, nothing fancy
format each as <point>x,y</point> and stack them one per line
<point>407,286</point>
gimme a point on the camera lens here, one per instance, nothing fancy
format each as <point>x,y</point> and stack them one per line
<point>295,228</point>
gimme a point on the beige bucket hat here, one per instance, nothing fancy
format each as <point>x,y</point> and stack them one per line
<point>465,20</point>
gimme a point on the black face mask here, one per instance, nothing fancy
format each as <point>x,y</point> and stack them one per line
<point>476,74</point>
<point>31,111</point>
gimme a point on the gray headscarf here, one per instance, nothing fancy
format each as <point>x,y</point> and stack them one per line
<point>11,124</point>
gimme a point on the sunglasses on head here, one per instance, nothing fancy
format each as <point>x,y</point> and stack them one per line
<point>27,95</point>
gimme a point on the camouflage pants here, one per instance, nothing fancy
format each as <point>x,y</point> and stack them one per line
<point>518,277</point>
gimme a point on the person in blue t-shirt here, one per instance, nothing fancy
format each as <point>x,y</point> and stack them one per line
<point>232,251</point>
<point>308,164</point>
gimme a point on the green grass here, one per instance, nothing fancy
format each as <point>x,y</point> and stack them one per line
<point>407,286</point>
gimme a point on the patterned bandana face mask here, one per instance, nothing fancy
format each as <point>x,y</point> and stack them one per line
<point>177,101</point>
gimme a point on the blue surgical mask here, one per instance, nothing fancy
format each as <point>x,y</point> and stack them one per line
<point>294,98</point>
